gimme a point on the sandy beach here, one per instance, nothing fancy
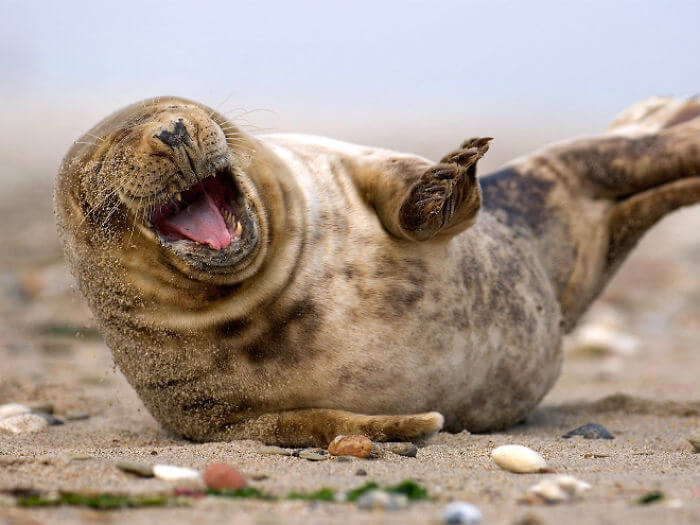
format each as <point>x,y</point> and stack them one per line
<point>647,397</point>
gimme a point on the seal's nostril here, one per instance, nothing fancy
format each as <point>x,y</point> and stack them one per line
<point>175,138</point>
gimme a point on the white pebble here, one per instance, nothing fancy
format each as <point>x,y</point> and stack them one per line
<point>559,489</point>
<point>517,458</point>
<point>602,338</point>
<point>23,424</point>
<point>173,473</point>
<point>13,409</point>
<point>460,513</point>
<point>379,499</point>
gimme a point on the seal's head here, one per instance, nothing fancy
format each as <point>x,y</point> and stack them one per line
<point>177,176</point>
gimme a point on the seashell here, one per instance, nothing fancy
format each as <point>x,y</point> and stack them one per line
<point>601,339</point>
<point>460,513</point>
<point>517,458</point>
<point>23,424</point>
<point>13,409</point>
<point>559,489</point>
<point>379,499</point>
<point>173,473</point>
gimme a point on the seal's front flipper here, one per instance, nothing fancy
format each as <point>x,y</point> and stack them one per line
<point>446,198</point>
<point>318,427</point>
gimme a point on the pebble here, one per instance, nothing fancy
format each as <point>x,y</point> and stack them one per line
<point>13,409</point>
<point>140,469</point>
<point>695,441</point>
<point>274,451</point>
<point>519,459</point>
<point>173,473</point>
<point>404,449</point>
<point>23,424</point>
<point>559,489</point>
<point>590,431</point>
<point>603,338</point>
<point>50,418</point>
<point>219,476</point>
<point>379,499</point>
<point>360,472</point>
<point>460,513</point>
<point>356,445</point>
<point>312,455</point>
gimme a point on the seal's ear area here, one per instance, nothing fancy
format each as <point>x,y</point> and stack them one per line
<point>444,201</point>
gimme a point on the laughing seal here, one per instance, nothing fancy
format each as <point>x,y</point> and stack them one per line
<point>290,288</point>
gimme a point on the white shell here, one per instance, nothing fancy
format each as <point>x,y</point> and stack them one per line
<point>559,489</point>
<point>173,473</point>
<point>23,423</point>
<point>460,513</point>
<point>12,409</point>
<point>517,458</point>
<point>602,338</point>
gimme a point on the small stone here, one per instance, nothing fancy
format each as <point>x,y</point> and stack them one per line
<point>460,513</point>
<point>23,424</point>
<point>274,451</point>
<point>76,415</point>
<point>404,449</point>
<point>695,441</point>
<point>50,418</point>
<point>312,455</point>
<point>519,459</point>
<point>589,431</point>
<point>145,471</point>
<point>13,409</point>
<point>219,476</point>
<point>344,459</point>
<point>173,473</point>
<point>379,499</point>
<point>360,472</point>
<point>356,445</point>
<point>559,489</point>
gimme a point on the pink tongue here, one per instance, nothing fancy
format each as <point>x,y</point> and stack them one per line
<point>201,222</point>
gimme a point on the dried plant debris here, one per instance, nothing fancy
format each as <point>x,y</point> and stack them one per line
<point>408,489</point>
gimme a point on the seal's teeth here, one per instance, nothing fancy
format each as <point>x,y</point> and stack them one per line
<point>239,229</point>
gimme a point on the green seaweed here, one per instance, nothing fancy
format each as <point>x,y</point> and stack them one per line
<point>409,488</point>
<point>324,494</point>
<point>247,492</point>
<point>354,494</point>
<point>29,498</point>
<point>98,501</point>
<point>651,497</point>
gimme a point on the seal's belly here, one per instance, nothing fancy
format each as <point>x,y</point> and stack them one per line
<point>390,327</point>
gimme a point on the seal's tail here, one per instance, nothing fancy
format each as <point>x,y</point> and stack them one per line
<point>589,201</point>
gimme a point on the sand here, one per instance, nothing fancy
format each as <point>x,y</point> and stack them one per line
<point>649,399</point>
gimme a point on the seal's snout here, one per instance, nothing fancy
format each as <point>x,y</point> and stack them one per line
<point>175,137</point>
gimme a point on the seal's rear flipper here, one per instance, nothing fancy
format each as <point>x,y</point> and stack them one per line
<point>318,427</point>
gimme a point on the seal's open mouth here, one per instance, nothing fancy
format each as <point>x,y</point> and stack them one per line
<point>205,214</point>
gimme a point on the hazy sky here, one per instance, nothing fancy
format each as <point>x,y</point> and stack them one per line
<point>546,64</point>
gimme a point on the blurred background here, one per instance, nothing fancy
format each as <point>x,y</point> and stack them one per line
<point>415,76</point>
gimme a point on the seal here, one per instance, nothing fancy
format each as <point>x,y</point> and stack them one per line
<point>290,288</point>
